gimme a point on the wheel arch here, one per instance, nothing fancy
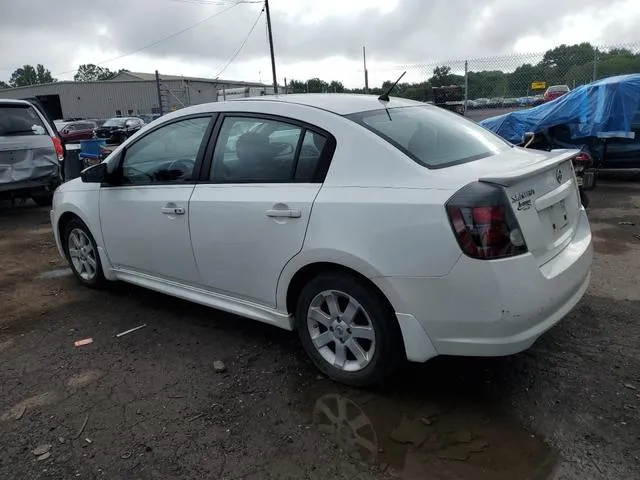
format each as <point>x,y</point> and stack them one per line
<point>416,343</point>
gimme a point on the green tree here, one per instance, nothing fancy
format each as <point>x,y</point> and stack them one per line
<point>89,72</point>
<point>315,85</point>
<point>296,86</point>
<point>28,75</point>
<point>3,85</point>
<point>442,76</point>
<point>336,87</point>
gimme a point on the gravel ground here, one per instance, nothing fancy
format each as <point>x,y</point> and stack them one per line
<point>150,404</point>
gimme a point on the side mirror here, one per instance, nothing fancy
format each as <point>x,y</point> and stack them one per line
<point>95,174</point>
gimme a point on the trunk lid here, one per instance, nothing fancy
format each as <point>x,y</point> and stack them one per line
<point>543,194</point>
<point>27,157</point>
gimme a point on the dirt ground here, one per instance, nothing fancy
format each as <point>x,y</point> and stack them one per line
<point>149,405</point>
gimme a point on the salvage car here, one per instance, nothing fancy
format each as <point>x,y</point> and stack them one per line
<point>30,152</point>
<point>555,91</point>
<point>116,130</point>
<point>73,132</point>
<point>601,118</point>
<point>380,229</point>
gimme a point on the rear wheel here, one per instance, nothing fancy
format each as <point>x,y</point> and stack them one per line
<point>82,254</point>
<point>348,330</point>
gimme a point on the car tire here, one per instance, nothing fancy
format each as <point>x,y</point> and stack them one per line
<point>44,200</point>
<point>82,254</point>
<point>355,340</point>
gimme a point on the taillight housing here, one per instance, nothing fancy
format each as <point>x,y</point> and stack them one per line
<point>57,145</point>
<point>483,222</point>
<point>583,159</point>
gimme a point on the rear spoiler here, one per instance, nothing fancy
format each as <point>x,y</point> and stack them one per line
<point>554,158</point>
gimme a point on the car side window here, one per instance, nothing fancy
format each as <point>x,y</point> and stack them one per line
<point>255,150</point>
<point>167,154</point>
<point>312,147</point>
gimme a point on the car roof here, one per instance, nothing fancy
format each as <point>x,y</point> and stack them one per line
<point>338,103</point>
<point>14,101</point>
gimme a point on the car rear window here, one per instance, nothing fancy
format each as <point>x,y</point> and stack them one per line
<point>559,88</point>
<point>114,122</point>
<point>20,120</point>
<point>433,137</point>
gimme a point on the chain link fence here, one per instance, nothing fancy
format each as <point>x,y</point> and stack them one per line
<point>518,80</point>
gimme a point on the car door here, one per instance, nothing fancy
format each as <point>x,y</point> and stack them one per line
<point>249,216</point>
<point>145,216</point>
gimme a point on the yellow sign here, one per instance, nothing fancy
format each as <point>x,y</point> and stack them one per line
<point>538,85</point>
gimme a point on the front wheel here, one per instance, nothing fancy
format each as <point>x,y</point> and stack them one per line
<point>348,329</point>
<point>82,254</point>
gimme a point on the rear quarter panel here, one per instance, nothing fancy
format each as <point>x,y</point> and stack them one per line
<point>378,232</point>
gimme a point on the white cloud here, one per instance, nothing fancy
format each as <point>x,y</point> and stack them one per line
<point>312,38</point>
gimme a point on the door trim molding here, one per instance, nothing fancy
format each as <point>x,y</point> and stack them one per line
<point>208,298</point>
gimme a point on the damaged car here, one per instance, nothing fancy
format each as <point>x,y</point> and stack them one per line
<point>30,153</point>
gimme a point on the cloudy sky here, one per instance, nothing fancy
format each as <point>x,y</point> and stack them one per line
<point>322,38</point>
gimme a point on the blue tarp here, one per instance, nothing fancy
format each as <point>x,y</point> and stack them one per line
<point>604,108</point>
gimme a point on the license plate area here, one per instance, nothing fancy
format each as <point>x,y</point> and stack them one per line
<point>557,215</point>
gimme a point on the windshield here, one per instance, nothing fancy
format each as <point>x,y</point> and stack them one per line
<point>114,122</point>
<point>431,136</point>
<point>20,120</point>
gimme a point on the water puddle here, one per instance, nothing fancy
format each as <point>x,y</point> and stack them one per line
<point>57,273</point>
<point>416,438</point>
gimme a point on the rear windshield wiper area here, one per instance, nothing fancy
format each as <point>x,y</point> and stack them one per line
<point>19,132</point>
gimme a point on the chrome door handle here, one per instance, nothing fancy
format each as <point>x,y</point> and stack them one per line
<point>291,213</point>
<point>172,210</point>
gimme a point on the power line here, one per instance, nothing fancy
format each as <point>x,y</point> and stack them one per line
<point>239,49</point>
<point>153,44</point>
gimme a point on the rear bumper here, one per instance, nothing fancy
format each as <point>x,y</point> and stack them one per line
<point>24,188</point>
<point>492,308</point>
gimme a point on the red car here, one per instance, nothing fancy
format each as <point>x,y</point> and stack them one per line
<point>555,91</point>
<point>78,130</point>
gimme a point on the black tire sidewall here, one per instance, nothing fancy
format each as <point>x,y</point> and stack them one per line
<point>389,348</point>
<point>98,280</point>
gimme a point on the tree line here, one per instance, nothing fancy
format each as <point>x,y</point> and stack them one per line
<point>572,65</point>
<point>30,75</point>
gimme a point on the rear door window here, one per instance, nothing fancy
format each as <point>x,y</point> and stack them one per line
<point>431,136</point>
<point>20,120</point>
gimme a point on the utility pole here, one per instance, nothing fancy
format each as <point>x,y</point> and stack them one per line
<point>273,57</point>
<point>466,86</point>
<point>366,73</point>
<point>159,93</point>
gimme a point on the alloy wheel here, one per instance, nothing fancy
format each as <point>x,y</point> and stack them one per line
<point>82,254</point>
<point>341,330</point>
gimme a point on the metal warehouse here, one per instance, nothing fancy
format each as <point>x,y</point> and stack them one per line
<point>128,93</point>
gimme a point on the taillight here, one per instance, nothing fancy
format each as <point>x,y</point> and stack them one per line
<point>483,222</point>
<point>57,145</point>
<point>583,158</point>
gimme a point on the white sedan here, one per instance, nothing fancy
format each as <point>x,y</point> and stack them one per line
<point>380,230</point>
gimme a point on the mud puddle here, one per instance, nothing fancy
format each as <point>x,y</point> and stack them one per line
<point>435,438</point>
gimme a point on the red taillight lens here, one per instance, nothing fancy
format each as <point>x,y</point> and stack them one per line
<point>483,223</point>
<point>57,145</point>
<point>583,158</point>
